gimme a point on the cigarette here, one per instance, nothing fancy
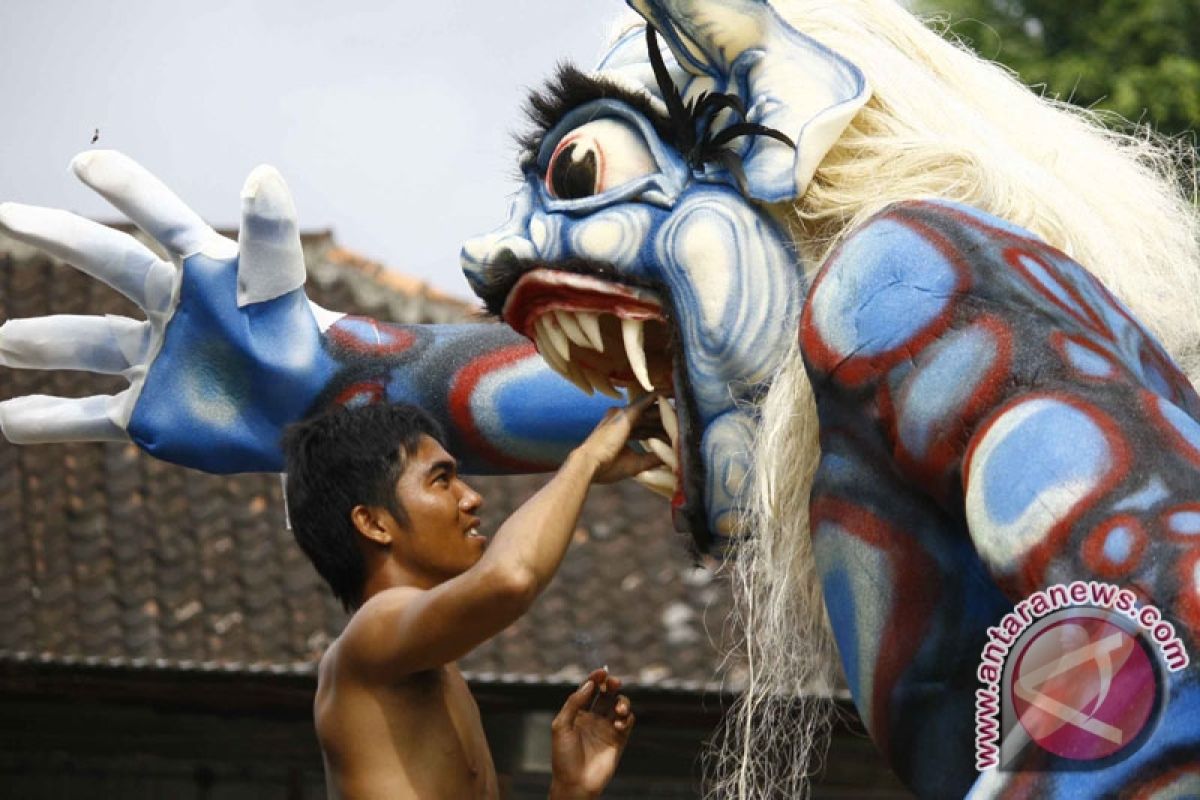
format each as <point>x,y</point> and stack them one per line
<point>602,687</point>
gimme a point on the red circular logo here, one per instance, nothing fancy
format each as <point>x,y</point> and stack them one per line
<point>1083,687</point>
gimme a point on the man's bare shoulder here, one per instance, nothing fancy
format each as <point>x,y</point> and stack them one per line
<point>370,635</point>
<point>353,670</point>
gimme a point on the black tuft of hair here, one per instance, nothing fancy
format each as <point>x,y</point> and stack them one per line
<point>337,460</point>
<point>692,122</point>
<point>570,88</point>
<point>687,126</point>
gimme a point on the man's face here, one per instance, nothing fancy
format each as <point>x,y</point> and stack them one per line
<point>441,539</point>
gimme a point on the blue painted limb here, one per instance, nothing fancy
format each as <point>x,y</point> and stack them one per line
<point>231,350</point>
<point>908,601</point>
<point>227,380</point>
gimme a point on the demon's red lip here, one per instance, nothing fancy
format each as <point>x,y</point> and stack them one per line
<point>603,336</point>
<point>542,290</point>
<point>598,334</point>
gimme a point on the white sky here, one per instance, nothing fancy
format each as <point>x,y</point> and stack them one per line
<point>391,121</point>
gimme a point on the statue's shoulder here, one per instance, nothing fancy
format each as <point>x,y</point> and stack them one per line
<point>955,229</point>
<point>898,282</point>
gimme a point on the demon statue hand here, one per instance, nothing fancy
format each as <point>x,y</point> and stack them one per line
<point>231,350</point>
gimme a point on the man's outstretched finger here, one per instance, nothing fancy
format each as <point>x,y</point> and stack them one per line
<point>617,708</point>
<point>629,463</point>
<point>627,416</point>
<point>638,406</point>
<point>576,702</point>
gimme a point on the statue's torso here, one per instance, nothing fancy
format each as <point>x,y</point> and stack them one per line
<point>936,328</point>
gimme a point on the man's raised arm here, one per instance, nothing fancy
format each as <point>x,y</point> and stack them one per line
<point>406,630</point>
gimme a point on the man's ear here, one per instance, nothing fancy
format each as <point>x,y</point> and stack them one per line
<point>370,522</point>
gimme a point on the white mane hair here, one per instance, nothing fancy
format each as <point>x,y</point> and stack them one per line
<point>941,123</point>
<point>944,123</point>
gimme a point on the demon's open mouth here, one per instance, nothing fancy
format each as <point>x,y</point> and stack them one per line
<point>605,336</point>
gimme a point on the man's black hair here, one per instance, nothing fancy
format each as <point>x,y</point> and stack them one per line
<point>340,459</point>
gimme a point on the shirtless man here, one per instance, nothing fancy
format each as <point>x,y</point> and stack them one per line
<point>377,505</point>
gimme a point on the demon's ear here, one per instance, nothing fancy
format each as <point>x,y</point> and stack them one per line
<point>788,82</point>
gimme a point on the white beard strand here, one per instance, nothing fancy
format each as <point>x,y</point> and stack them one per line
<point>775,737</point>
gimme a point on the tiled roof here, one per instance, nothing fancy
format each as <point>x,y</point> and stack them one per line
<point>109,557</point>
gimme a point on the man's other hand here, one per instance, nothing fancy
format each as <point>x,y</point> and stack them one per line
<point>588,736</point>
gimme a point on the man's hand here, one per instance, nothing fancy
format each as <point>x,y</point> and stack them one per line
<point>588,737</point>
<point>607,445</point>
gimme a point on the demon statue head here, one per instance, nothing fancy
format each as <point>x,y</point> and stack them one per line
<point>640,251</point>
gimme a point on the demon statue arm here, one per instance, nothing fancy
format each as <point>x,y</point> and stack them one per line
<point>231,349</point>
<point>993,422</point>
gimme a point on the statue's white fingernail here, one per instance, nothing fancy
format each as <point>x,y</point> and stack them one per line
<point>259,179</point>
<point>266,194</point>
<point>11,217</point>
<point>83,162</point>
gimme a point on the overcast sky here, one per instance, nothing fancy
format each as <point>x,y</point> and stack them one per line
<point>391,121</point>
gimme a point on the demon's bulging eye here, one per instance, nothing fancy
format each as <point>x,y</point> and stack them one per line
<point>595,157</point>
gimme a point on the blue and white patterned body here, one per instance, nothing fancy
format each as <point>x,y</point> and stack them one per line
<point>992,422</point>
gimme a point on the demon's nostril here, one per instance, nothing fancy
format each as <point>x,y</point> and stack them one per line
<point>505,258</point>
